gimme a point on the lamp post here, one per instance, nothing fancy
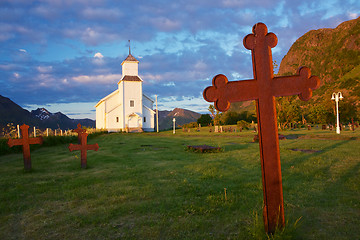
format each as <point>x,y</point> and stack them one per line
<point>174,120</point>
<point>337,96</point>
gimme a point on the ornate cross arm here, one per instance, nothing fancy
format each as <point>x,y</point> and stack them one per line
<point>37,140</point>
<point>13,142</point>
<point>222,92</point>
<point>93,147</point>
<point>73,147</point>
<point>301,84</point>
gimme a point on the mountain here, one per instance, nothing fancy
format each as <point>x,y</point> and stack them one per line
<point>182,117</point>
<point>333,55</point>
<point>58,120</point>
<point>10,112</point>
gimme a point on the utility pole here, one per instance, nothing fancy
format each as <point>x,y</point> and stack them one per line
<point>157,115</point>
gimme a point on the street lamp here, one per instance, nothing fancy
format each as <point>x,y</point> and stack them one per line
<point>337,96</point>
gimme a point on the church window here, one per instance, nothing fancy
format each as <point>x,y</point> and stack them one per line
<point>132,103</point>
<point>117,119</point>
<point>144,119</point>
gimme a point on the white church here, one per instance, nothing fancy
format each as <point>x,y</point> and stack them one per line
<point>127,108</point>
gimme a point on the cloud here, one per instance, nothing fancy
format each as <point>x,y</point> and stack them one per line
<point>16,75</point>
<point>110,78</point>
<point>98,55</point>
<point>44,69</point>
<point>109,14</point>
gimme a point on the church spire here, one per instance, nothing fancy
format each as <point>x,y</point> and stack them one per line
<point>129,48</point>
<point>130,57</point>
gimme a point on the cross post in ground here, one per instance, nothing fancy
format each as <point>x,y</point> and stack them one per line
<point>263,89</point>
<point>83,147</point>
<point>25,141</point>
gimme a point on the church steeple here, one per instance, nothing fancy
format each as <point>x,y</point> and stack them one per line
<point>130,67</point>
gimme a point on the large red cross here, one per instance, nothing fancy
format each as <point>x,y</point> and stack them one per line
<point>264,88</point>
<point>25,141</point>
<point>83,147</point>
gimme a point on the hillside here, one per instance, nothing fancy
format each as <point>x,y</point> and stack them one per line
<point>331,54</point>
<point>10,112</point>
<point>334,56</point>
<point>182,116</point>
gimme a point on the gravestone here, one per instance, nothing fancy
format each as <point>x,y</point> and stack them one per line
<point>83,147</point>
<point>263,89</point>
<point>25,141</point>
<point>216,129</point>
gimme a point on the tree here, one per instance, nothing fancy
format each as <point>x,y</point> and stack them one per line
<point>288,111</point>
<point>347,111</point>
<point>204,120</point>
<point>216,115</point>
<point>320,113</point>
<point>230,118</point>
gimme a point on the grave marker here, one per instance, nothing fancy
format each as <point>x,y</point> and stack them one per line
<point>83,147</point>
<point>264,88</point>
<point>25,141</point>
<point>79,131</point>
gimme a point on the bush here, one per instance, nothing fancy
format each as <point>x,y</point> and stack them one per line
<point>204,120</point>
<point>243,124</point>
<point>190,125</point>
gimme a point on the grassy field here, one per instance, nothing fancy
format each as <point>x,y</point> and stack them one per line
<point>149,186</point>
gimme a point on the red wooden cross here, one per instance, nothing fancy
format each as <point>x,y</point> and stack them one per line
<point>83,147</point>
<point>264,88</point>
<point>79,131</point>
<point>25,141</point>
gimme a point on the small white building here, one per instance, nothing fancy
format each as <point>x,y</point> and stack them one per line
<point>127,108</point>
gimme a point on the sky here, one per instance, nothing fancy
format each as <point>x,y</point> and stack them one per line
<point>66,55</point>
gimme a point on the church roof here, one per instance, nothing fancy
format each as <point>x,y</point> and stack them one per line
<point>131,78</point>
<point>131,58</point>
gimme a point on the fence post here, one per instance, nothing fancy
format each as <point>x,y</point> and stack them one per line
<point>18,131</point>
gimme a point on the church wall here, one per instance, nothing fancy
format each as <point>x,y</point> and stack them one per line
<point>121,110</point>
<point>100,115</point>
<point>149,115</point>
<point>133,92</point>
<point>130,69</point>
<point>113,119</point>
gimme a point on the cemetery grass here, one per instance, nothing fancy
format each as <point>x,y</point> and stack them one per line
<point>149,186</point>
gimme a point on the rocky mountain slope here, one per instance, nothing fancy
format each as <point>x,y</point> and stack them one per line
<point>334,56</point>
<point>331,54</point>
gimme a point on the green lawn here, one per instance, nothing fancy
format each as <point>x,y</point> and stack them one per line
<point>148,186</point>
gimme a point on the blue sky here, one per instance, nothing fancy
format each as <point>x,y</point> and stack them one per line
<point>65,55</point>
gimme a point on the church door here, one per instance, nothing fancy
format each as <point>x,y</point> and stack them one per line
<point>134,121</point>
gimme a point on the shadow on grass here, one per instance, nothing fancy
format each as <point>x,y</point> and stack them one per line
<point>327,192</point>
